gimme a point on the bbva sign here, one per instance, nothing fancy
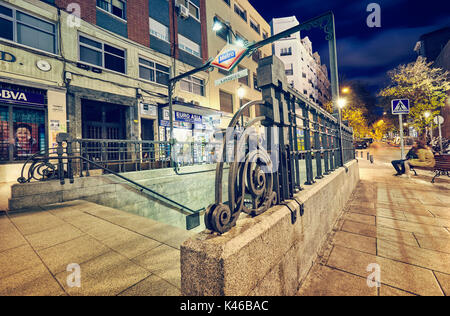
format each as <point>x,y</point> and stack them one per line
<point>11,95</point>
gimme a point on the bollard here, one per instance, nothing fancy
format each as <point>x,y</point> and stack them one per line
<point>368,156</point>
<point>371,159</point>
<point>362,154</point>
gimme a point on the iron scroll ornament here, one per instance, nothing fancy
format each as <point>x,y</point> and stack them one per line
<point>40,169</point>
<point>250,188</point>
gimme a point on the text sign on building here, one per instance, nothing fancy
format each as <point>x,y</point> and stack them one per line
<point>400,106</point>
<point>12,96</point>
<point>188,117</point>
<point>229,57</point>
<point>239,74</point>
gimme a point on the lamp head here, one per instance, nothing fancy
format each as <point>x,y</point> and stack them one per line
<point>241,92</point>
<point>217,24</point>
<point>342,103</point>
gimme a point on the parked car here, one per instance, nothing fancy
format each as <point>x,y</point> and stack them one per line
<point>360,144</point>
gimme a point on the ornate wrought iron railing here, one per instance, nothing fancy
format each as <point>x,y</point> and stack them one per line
<point>296,143</point>
<point>78,157</point>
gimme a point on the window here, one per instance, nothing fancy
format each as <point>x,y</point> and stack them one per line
<point>115,7</point>
<point>22,134</point>
<point>27,30</point>
<point>193,85</point>
<point>243,80</point>
<point>102,55</point>
<point>242,102</point>
<point>255,82</point>
<point>226,102</point>
<point>265,35</point>
<point>223,32</point>
<point>189,46</point>
<point>151,71</point>
<point>159,30</point>
<point>290,71</point>
<point>286,51</point>
<point>227,2</point>
<point>255,26</point>
<point>241,12</point>
<point>256,55</point>
<point>194,11</point>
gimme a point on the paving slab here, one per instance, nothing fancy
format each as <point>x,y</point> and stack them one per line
<point>107,275</point>
<point>360,218</point>
<point>152,286</point>
<point>10,237</point>
<point>414,227</point>
<point>425,258</point>
<point>325,281</point>
<point>355,241</point>
<point>30,223</point>
<point>17,259</point>
<point>163,261</point>
<point>437,244</point>
<point>444,282</point>
<point>403,276</point>
<point>78,250</point>
<point>34,281</point>
<point>53,236</point>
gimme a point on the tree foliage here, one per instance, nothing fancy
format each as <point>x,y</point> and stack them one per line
<point>426,88</point>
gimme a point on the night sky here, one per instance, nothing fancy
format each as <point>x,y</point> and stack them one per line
<point>364,53</point>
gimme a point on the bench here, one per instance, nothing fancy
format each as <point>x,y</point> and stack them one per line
<point>441,168</point>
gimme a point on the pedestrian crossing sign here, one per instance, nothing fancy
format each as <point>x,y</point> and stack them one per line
<point>400,106</point>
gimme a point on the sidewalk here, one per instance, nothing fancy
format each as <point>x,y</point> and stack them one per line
<point>401,224</point>
<point>118,253</point>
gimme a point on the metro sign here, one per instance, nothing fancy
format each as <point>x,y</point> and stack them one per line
<point>229,57</point>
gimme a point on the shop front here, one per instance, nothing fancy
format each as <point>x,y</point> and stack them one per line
<point>30,119</point>
<point>193,132</point>
<point>23,117</point>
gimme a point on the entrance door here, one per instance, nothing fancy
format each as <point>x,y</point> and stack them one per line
<point>147,129</point>
<point>102,120</point>
<point>148,134</point>
<point>107,122</point>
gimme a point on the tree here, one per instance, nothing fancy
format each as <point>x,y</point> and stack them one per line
<point>426,87</point>
<point>356,120</point>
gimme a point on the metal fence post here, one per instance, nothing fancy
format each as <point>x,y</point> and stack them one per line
<point>307,139</point>
<point>317,144</point>
<point>325,145</point>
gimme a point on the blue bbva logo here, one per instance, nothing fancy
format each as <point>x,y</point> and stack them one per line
<point>227,56</point>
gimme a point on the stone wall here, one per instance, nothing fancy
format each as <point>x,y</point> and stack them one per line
<point>267,255</point>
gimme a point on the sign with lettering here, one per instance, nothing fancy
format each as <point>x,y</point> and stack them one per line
<point>239,74</point>
<point>12,96</point>
<point>229,57</point>
<point>8,57</point>
<point>188,117</point>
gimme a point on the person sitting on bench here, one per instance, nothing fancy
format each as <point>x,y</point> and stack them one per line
<point>426,158</point>
<point>399,165</point>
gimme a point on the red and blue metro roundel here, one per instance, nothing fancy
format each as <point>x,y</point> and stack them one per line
<point>229,57</point>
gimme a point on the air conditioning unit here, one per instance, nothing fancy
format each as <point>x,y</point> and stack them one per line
<point>184,12</point>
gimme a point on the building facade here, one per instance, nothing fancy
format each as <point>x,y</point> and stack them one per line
<point>99,69</point>
<point>303,67</point>
<point>103,76</point>
<point>435,47</point>
<point>249,26</point>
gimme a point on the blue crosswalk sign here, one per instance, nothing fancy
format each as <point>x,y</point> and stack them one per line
<point>400,106</point>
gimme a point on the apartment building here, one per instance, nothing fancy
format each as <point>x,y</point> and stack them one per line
<point>103,76</point>
<point>303,67</point>
<point>250,27</point>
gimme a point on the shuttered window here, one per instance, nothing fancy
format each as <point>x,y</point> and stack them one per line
<point>226,102</point>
